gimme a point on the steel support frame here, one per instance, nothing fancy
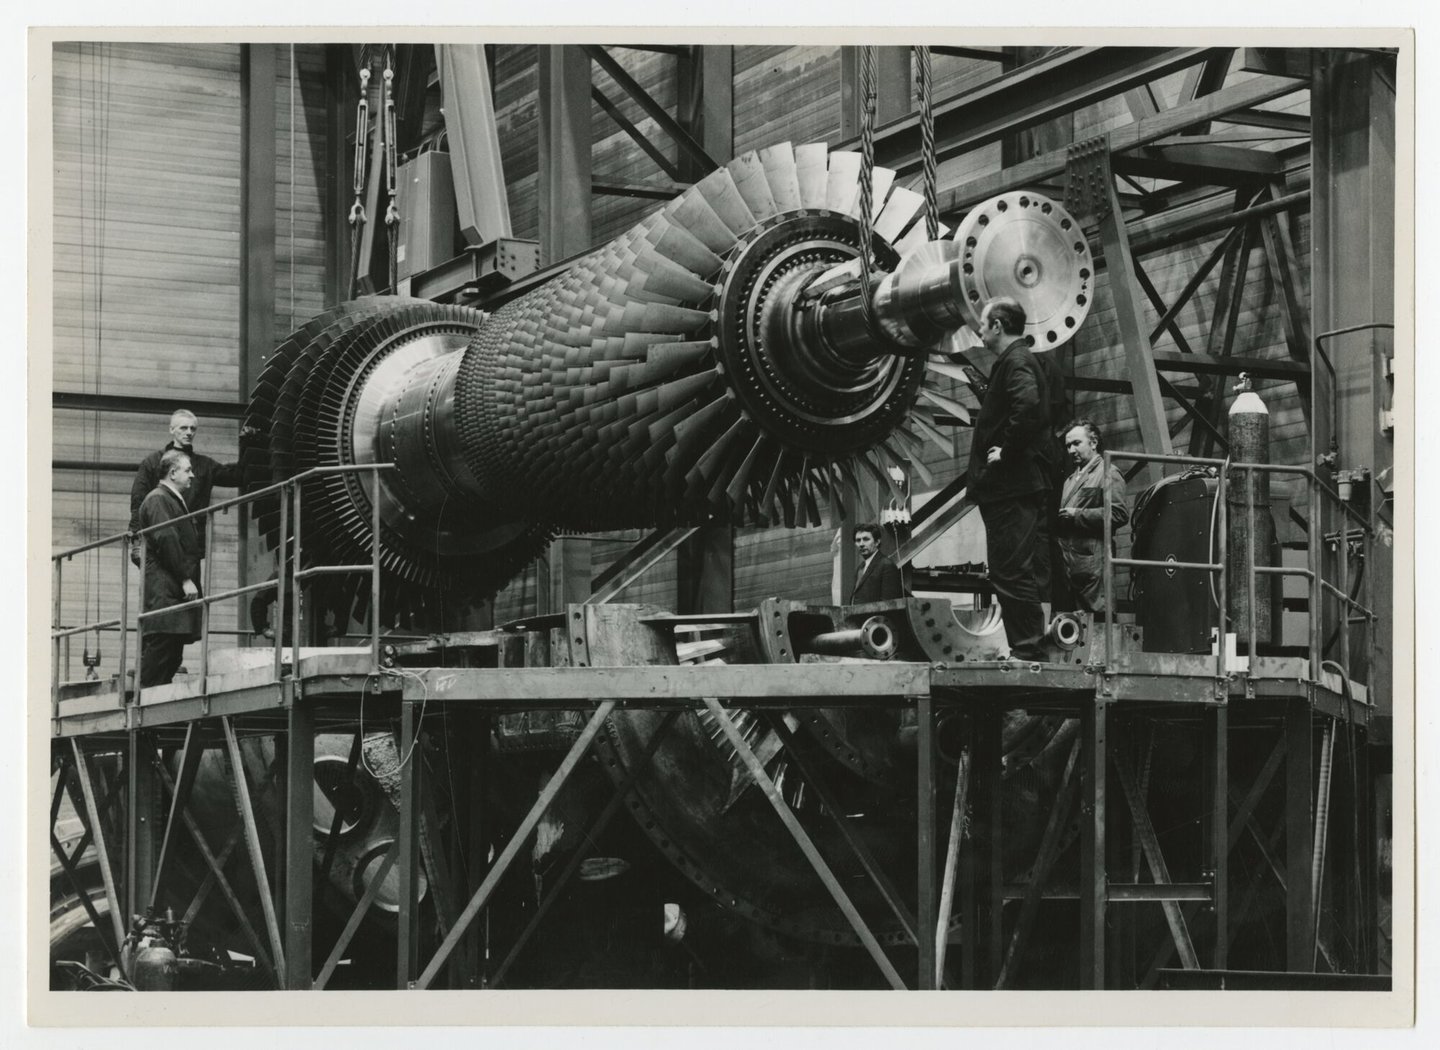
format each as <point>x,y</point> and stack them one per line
<point>837,892</point>
<point>215,874</point>
<point>565,151</point>
<point>578,750</point>
<point>982,882</point>
<point>1033,94</point>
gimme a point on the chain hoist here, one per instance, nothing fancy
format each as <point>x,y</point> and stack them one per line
<point>389,148</point>
<point>357,210</point>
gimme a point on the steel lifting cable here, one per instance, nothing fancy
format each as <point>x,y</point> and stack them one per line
<point>389,149</point>
<point>357,210</point>
<point>98,193</point>
<point>927,142</point>
<point>867,179</point>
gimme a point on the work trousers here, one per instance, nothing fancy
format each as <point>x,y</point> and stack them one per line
<point>160,656</point>
<point>1013,536</point>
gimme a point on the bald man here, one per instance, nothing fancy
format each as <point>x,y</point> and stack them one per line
<point>208,473</point>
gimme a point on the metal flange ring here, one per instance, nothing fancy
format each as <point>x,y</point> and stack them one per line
<point>1028,247</point>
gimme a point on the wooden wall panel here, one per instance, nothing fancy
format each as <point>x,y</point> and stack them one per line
<point>147,274</point>
<point>300,143</point>
<point>517,122</point>
<point>615,157</point>
<point>786,93</point>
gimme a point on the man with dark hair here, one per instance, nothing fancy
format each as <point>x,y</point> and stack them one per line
<point>1007,473</point>
<point>172,568</point>
<point>208,473</point>
<point>876,577</point>
<point>1082,514</point>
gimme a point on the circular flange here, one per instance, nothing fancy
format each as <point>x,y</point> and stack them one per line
<point>1028,247</point>
<point>834,411</point>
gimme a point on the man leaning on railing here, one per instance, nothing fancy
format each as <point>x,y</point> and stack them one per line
<point>172,567</point>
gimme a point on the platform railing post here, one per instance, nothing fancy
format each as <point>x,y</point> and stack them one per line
<point>1222,614</point>
<point>1316,554</point>
<point>124,618</point>
<point>1251,528</point>
<point>375,571</point>
<point>283,565</point>
<point>1109,568</point>
<point>140,840</point>
<point>1093,717</point>
<point>205,597</point>
<point>296,620</point>
<point>140,625</point>
<point>55,625</point>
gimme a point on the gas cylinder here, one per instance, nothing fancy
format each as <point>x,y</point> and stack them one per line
<point>155,968</point>
<point>1249,432</point>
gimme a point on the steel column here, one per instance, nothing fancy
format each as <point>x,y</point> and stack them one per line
<point>1216,826</point>
<point>407,920</point>
<point>141,808</point>
<point>1299,836</point>
<point>705,76</point>
<point>474,141</point>
<point>926,912</point>
<point>565,145</point>
<point>1093,719</point>
<point>299,844</point>
<point>1353,284</point>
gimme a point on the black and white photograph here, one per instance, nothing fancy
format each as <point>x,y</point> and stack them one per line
<point>772,511</point>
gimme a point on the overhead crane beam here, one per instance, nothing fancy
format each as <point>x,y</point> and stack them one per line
<point>1031,95</point>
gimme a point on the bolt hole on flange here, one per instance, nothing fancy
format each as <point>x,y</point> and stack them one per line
<point>1022,245</point>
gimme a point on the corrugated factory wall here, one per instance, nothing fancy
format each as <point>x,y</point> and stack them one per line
<point>148,279</point>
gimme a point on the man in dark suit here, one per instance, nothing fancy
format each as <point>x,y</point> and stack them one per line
<point>876,577</point>
<point>172,571</point>
<point>1007,475</point>
<point>208,472</point>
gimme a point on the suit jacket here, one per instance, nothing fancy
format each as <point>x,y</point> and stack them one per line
<point>172,556</point>
<point>208,474</point>
<point>1082,537</point>
<point>1013,417</point>
<point>879,582</point>
<point>1052,400</point>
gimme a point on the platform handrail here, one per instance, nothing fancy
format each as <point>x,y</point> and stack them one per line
<point>289,491</point>
<point>1313,572</point>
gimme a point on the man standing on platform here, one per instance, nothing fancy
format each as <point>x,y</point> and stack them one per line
<point>172,567</point>
<point>876,577</point>
<point>1082,514</point>
<point>1007,472</point>
<point>208,473</point>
